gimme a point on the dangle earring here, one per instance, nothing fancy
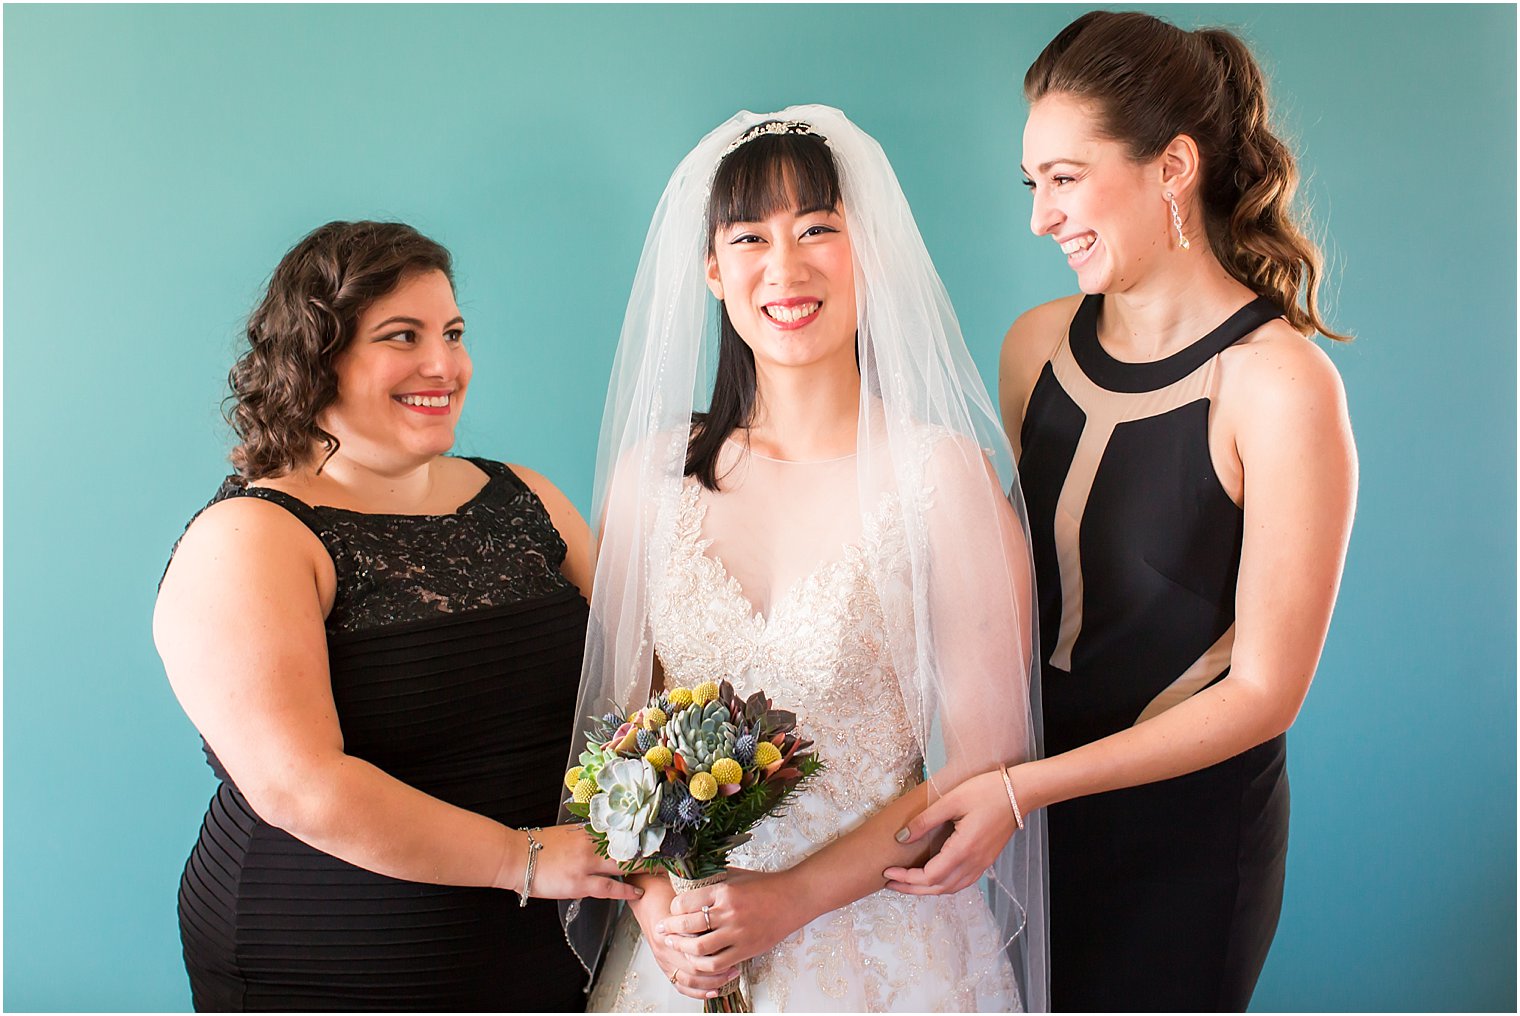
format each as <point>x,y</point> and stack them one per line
<point>1182,240</point>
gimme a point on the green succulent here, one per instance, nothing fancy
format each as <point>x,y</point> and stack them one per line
<point>702,735</point>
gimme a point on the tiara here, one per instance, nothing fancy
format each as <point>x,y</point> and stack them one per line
<point>770,127</point>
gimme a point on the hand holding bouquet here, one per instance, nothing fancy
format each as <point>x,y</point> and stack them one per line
<point>679,783</point>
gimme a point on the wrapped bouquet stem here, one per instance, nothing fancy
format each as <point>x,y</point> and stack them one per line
<point>681,782</point>
<point>732,996</point>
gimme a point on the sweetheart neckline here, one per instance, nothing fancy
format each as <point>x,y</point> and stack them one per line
<point>697,546</point>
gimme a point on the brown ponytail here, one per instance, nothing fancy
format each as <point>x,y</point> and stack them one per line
<point>1153,81</point>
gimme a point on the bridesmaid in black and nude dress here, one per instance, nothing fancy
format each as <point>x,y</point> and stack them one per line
<point>1187,460</point>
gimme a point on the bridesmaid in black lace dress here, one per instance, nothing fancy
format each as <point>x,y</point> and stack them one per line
<point>380,646</point>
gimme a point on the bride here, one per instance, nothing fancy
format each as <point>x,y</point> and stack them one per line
<point>840,528</point>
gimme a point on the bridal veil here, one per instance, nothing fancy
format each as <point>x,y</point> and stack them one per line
<point>959,616</point>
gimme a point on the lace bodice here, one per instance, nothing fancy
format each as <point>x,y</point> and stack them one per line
<point>819,649</point>
<point>498,549</point>
<point>819,652</point>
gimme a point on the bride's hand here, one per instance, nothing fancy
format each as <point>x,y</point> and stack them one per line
<point>746,915</point>
<point>650,911</point>
<point>983,820</point>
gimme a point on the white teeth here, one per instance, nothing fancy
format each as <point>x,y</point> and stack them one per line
<point>1078,244</point>
<point>787,314</point>
<point>434,401</point>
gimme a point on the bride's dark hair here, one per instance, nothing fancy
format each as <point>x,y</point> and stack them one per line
<point>761,177</point>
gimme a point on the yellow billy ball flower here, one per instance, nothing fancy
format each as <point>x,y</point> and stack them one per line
<point>704,692</point>
<point>660,757</point>
<point>703,787</point>
<point>766,754</point>
<point>679,698</point>
<point>573,777</point>
<point>585,790</point>
<point>654,718</point>
<point>726,770</point>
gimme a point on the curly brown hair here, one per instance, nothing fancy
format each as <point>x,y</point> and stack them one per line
<point>1153,81</point>
<point>307,317</point>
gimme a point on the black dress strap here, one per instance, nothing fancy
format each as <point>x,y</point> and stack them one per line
<point>1121,376</point>
<point>234,486</point>
<point>300,509</point>
<point>499,471</point>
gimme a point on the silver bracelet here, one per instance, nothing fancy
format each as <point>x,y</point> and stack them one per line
<point>1013,802</point>
<point>534,847</point>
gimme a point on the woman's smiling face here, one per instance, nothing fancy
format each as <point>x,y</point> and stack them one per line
<point>788,284</point>
<point>1104,209</point>
<point>402,379</point>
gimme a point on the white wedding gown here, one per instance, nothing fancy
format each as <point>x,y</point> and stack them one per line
<point>769,584</point>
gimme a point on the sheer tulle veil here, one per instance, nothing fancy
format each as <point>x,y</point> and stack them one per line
<point>960,617</point>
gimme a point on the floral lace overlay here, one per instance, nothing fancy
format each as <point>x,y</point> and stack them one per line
<point>499,548</point>
<point>820,652</point>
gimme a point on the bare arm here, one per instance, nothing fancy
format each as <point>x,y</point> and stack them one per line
<point>1295,445</point>
<point>239,625</point>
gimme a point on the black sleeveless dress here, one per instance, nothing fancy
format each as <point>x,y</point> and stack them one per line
<point>454,645</point>
<point>1163,897</point>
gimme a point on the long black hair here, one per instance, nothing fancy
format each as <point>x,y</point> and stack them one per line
<point>771,173</point>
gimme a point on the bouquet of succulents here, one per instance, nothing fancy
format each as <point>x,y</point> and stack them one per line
<point>681,782</point>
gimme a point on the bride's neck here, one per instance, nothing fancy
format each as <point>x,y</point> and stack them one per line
<point>806,414</point>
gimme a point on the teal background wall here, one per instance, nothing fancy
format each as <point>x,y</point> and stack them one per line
<point>159,160</point>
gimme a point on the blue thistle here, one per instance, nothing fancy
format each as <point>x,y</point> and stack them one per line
<point>690,811</point>
<point>670,804</point>
<point>744,750</point>
<point>646,739</point>
<point>612,719</point>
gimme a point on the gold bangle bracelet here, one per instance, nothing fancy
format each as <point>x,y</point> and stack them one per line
<point>1013,802</point>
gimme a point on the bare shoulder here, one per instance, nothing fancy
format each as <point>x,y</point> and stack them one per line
<point>1277,370</point>
<point>572,528</point>
<point>1035,334</point>
<point>1029,343</point>
<point>247,531</point>
<point>552,497</point>
<point>239,557</point>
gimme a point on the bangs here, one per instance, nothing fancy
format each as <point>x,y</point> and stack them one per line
<point>773,173</point>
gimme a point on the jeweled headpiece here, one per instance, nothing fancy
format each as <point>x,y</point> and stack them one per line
<point>770,127</point>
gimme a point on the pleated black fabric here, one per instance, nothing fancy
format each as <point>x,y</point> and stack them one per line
<point>472,705</point>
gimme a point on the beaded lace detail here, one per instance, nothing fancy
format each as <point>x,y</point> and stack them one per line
<point>820,652</point>
<point>820,646</point>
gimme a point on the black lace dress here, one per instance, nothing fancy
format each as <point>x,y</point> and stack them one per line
<point>454,645</point>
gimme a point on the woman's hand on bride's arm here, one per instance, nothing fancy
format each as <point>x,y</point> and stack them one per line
<point>748,915</point>
<point>652,911</point>
<point>982,818</point>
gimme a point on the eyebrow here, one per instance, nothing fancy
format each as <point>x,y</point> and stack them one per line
<point>831,209</point>
<point>1045,166</point>
<point>399,320</point>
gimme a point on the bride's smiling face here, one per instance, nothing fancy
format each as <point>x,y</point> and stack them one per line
<point>788,283</point>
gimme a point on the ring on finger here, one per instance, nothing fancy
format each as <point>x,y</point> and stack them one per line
<point>673,976</point>
<point>707,916</point>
